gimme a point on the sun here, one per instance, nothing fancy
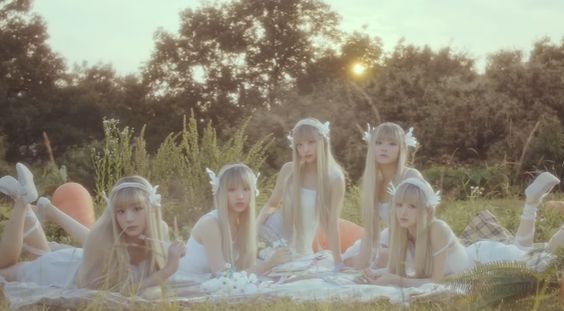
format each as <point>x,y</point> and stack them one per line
<point>358,69</point>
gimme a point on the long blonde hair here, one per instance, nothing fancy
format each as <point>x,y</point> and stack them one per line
<point>326,165</point>
<point>106,263</point>
<point>372,180</point>
<point>229,176</point>
<point>408,193</point>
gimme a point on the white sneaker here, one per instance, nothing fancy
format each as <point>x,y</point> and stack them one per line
<point>540,187</point>
<point>25,177</point>
<point>9,186</point>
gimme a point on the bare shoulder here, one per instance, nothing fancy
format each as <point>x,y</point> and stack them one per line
<point>439,229</point>
<point>286,168</point>
<point>337,179</point>
<point>205,226</point>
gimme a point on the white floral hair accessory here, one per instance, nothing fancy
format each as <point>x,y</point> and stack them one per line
<point>154,196</point>
<point>322,128</point>
<point>410,140</point>
<point>366,135</point>
<point>290,139</point>
<point>433,198</point>
<point>214,180</point>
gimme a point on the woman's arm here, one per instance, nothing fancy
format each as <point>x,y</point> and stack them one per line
<point>280,256</point>
<point>175,251</point>
<point>337,196</point>
<point>276,195</point>
<point>208,234</point>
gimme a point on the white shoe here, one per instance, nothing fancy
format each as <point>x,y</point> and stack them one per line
<point>9,186</point>
<point>42,203</point>
<point>540,187</point>
<point>25,177</point>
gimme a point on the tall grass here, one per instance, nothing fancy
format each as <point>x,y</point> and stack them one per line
<point>178,165</point>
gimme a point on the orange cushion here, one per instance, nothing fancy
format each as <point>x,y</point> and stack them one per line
<point>349,233</point>
<point>74,200</point>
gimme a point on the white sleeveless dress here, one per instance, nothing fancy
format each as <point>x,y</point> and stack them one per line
<point>273,228</point>
<point>196,260</point>
<point>461,258</point>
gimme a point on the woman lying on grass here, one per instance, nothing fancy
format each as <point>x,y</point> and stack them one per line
<point>424,249</point>
<point>227,234</point>
<point>127,250</point>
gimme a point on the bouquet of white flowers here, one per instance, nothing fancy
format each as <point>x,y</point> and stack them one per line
<point>266,249</point>
<point>230,282</point>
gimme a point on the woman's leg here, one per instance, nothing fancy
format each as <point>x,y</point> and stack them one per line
<point>534,194</point>
<point>34,238</point>
<point>76,230</point>
<point>12,237</point>
<point>557,240</point>
<point>10,273</point>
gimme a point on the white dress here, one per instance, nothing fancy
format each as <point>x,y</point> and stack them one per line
<point>461,258</point>
<point>196,260</point>
<point>273,228</point>
<point>59,268</point>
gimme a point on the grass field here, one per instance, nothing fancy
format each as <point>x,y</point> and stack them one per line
<point>456,213</point>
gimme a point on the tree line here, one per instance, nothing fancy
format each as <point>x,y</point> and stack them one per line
<point>276,62</point>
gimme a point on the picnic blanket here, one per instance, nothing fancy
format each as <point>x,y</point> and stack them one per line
<point>307,280</point>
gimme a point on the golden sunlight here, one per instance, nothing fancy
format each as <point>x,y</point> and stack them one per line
<point>358,69</point>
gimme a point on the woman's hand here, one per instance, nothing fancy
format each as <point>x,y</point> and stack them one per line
<point>176,250</point>
<point>280,256</point>
<point>381,277</point>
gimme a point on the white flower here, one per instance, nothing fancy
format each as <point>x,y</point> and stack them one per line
<point>211,286</point>
<point>252,278</point>
<point>266,253</point>
<point>250,289</point>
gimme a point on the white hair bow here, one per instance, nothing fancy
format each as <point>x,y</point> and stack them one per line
<point>433,199</point>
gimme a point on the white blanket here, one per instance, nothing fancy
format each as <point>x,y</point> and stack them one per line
<point>317,282</point>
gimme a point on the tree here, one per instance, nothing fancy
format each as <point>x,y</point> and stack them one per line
<point>29,73</point>
<point>231,58</point>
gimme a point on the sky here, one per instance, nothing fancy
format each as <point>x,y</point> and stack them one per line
<point>120,32</point>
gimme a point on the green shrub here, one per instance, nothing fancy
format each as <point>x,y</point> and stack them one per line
<point>459,182</point>
<point>178,166</point>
